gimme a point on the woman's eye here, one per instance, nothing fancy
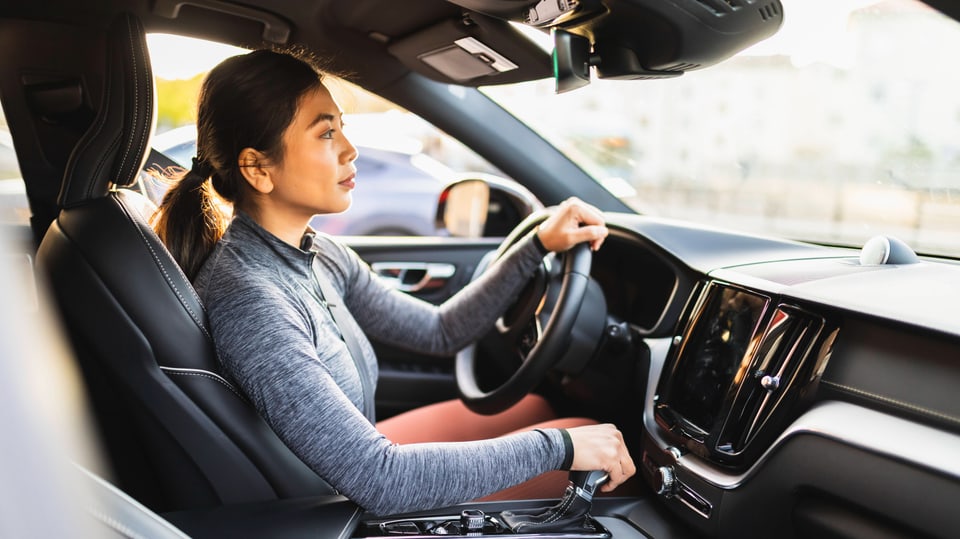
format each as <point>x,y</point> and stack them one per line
<point>328,134</point>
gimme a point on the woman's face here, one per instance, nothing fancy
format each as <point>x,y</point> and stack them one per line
<point>317,173</point>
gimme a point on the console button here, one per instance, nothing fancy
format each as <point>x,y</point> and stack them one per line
<point>471,522</point>
<point>667,481</point>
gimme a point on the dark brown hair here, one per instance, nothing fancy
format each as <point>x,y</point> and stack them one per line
<point>246,101</point>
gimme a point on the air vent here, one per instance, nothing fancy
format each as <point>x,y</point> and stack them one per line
<point>681,67</point>
<point>720,7</point>
<point>769,11</point>
<point>779,372</point>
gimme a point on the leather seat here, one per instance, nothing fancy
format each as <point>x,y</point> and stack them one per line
<point>178,434</point>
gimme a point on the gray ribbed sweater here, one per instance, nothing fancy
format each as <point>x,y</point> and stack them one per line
<point>279,344</point>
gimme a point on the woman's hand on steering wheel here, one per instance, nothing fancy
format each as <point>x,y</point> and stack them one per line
<point>572,222</point>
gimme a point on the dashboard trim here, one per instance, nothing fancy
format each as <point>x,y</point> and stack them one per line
<point>893,402</point>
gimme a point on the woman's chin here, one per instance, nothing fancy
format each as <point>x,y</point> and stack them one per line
<point>339,207</point>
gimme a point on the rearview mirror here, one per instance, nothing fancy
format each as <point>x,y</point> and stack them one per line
<point>571,60</point>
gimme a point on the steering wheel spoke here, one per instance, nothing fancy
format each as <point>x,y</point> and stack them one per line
<point>529,338</point>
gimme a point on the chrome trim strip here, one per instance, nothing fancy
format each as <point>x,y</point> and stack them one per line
<point>351,525</point>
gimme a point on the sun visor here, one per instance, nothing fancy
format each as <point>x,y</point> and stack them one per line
<point>473,50</point>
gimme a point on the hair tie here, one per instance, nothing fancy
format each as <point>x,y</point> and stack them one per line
<point>201,168</point>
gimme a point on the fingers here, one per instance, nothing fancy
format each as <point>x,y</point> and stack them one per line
<point>573,222</point>
<point>601,447</point>
<point>593,234</point>
<point>590,223</point>
<point>622,469</point>
<point>585,213</point>
<point>622,466</point>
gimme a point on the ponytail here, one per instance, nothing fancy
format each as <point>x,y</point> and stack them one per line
<point>190,220</point>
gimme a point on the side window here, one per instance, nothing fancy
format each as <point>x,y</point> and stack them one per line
<point>404,161</point>
<point>15,237</point>
<point>14,209</point>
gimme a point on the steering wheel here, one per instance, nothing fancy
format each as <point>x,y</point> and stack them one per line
<point>535,330</point>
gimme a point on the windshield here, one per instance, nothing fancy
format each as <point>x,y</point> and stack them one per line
<point>842,126</point>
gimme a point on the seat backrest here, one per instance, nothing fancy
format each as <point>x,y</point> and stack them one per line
<point>178,434</point>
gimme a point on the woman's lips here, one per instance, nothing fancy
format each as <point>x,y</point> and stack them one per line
<point>349,182</point>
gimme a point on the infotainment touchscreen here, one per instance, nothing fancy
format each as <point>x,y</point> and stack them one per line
<point>712,353</point>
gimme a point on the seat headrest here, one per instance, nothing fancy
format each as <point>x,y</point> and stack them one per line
<point>112,151</point>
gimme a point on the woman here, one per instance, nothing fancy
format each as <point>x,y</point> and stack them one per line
<point>270,141</point>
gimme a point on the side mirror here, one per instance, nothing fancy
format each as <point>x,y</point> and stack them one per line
<point>483,206</point>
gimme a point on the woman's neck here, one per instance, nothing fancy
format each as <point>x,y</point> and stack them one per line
<point>289,228</point>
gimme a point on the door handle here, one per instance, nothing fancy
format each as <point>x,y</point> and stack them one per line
<point>414,276</point>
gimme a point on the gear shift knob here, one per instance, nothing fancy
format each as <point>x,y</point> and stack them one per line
<point>586,483</point>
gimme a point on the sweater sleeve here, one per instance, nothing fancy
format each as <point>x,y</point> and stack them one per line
<point>400,319</point>
<point>290,383</point>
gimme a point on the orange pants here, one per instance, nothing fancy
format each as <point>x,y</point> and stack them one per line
<point>451,421</point>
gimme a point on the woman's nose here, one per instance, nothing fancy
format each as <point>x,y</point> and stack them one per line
<point>350,151</point>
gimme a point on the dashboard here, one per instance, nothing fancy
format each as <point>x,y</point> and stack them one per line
<point>793,391</point>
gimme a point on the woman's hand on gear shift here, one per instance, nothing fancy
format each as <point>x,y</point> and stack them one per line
<point>601,447</point>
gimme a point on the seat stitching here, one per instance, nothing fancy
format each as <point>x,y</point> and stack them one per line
<point>136,92</point>
<point>177,268</point>
<point>86,142</point>
<point>113,523</point>
<point>166,276</point>
<point>183,276</point>
<point>203,374</point>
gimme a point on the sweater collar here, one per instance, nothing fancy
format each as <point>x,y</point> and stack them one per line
<point>245,228</point>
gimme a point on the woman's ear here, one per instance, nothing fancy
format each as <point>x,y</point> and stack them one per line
<point>256,170</point>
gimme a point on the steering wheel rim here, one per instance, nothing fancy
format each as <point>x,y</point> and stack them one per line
<point>550,345</point>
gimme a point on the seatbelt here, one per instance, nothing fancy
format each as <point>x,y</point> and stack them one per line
<point>340,316</point>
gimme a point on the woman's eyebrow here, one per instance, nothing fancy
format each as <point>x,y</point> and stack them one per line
<point>322,117</point>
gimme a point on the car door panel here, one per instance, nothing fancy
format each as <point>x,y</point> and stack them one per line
<point>437,268</point>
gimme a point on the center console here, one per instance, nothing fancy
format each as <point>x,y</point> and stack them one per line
<point>576,516</point>
<point>570,517</point>
<point>614,518</point>
<point>472,523</point>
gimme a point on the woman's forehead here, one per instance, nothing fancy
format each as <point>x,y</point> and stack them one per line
<point>317,105</point>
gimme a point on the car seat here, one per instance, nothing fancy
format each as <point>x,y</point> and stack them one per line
<point>177,433</point>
